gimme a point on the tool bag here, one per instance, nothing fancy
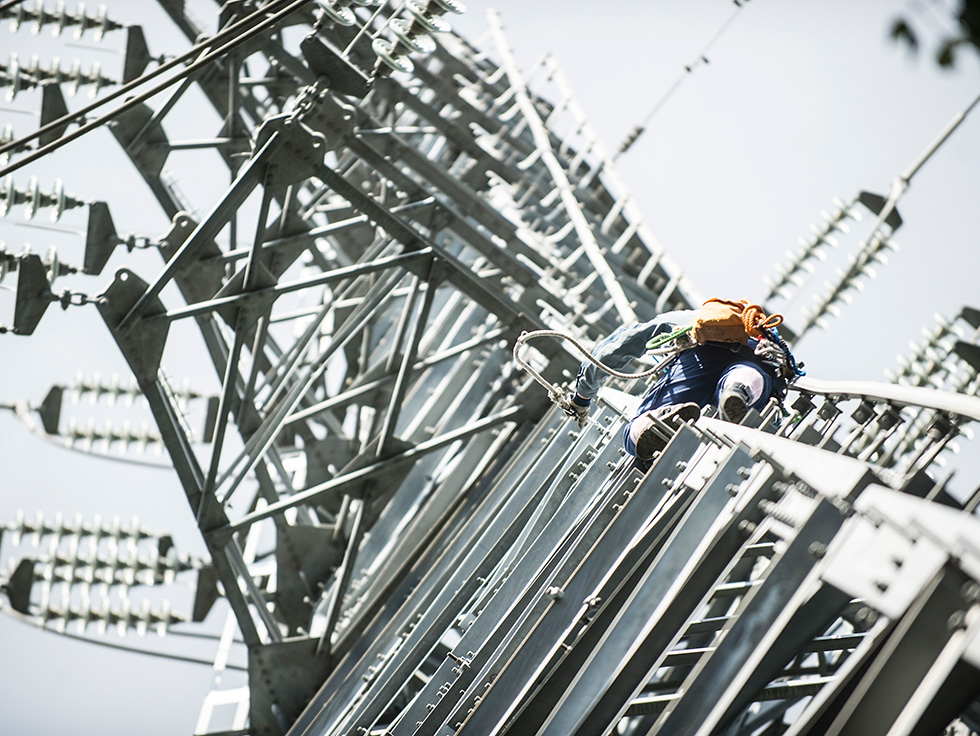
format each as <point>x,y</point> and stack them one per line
<point>721,320</point>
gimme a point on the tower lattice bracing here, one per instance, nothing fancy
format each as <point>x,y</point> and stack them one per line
<point>361,213</point>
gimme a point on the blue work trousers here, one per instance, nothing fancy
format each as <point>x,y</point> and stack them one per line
<point>697,376</point>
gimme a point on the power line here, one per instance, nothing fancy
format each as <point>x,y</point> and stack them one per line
<point>702,59</point>
<point>9,4</point>
<point>285,9</point>
<point>113,645</point>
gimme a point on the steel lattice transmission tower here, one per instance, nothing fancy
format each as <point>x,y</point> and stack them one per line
<point>403,533</point>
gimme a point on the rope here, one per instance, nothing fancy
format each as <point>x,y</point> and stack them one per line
<point>656,342</point>
<point>756,321</point>
<point>796,368</point>
<point>758,325</point>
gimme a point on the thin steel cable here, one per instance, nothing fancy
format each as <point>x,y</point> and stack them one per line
<point>688,69</point>
<point>10,4</point>
<point>189,54</point>
<point>555,393</point>
<point>365,27</point>
<point>112,645</point>
<point>587,354</point>
<point>286,7</point>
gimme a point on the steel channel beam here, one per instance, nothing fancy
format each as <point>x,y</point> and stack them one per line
<point>261,339</point>
<point>287,365</point>
<point>557,503</point>
<point>311,495</point>
<point>265,434</point>
<point>828,473</point>
<point>402,377</point>
<point>572,206</point>
<point>474,562</point>
<point>441,84</point>
<point>949,693</point>
<point>343,576</point>
<point>464,384</point>
<point>774,623</point>
<point>215,345</point>
<point>135,144</point>
<point>457,273</point>
<point>957,404</point>
<point>306,239</point>
<point>489,614</point>
<point>503,258</point>
<point>246,181</point>
<point>413,542</point>
<point>498,689</point>
<point>461,196</point>
<point>471,400</point>
<point>680,578</point>
<point>330,278</point>
<point>242,319</point>
<point>827,701</point>
<point>161,190</point>
<point>212,57</point>
<point>142,351</point>
<point>787,691</point>
<point>354,394</point>
<point>459,137</point>
<point>440,560</point>
<point>576,632</point>
<point>569,512</point>
<point>906,549</point>
<point>891,680</point>
<point>703,632</point>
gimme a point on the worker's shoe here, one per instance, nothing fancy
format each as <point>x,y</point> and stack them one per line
<point>651,439</point>
<point>734,403</point>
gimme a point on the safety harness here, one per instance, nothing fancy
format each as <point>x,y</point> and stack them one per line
<point>733,324</point>
<point>719,321</point>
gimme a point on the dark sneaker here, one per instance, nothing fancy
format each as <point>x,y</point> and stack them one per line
<point>677,414</point>
<point>734,403</point>
<point>651,439</point>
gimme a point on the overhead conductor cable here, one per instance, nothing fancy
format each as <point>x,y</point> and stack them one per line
<point>243,34</point>
<point>688,68</point>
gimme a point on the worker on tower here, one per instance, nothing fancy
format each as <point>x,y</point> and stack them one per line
<point>728,353</point>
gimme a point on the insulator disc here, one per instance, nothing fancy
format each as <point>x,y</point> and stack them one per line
<point>420,43</point>
<point>340,13</point>
<point>385,51</point>
<point>432,23</point>
<point>449,6</point>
